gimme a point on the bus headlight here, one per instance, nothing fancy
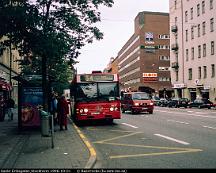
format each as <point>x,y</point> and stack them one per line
<point>111,109</point>
<point>136,104</point>
<point>81,110</point>
<point>85,110</point>
<point>151,104</point>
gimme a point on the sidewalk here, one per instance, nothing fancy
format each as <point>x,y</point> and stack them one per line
<point>28,149</point>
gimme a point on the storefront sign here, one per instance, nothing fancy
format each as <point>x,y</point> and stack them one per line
<point>179,85</point>
<point>149,74</point>
<point>149,36</point>
<point>206,87</point>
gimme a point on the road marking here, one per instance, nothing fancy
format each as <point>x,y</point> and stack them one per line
<point>179,150</point>
<point>92,151</point>
<point>181,122</point>
<point>195,115</point>
<point>172,139</point>
<point>117,137</point>
<point>201,113</point>
<point>210,127</point>
<point>190,111</point>
<point>129,125</point>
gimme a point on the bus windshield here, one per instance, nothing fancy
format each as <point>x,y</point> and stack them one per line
<point>97,92</point>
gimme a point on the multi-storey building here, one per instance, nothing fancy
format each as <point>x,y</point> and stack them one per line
<point>8,69</point>
<point>144,61</point>
<point>192,54</point>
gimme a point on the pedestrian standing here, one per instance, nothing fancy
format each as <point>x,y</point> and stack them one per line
<point>63,111</point>
<point>53,107</point>
<point>10,108</point>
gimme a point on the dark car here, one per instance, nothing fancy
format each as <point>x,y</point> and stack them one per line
<point>201,103</point>
<point>163,102</point>
<point>178,102</point>
<point>156,100</point>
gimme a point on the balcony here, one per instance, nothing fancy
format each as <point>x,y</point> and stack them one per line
<point>174,28</point>
<point>174,47</point>
<point>175,65</point>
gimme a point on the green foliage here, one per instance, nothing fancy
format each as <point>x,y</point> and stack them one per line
<point>52,29</point>
<point>49,35</point>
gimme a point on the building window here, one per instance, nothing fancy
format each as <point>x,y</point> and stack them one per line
<point>186,34</point>
<point>164,36</point>
<point>192,53</point>
<point>199,51</point>
<point>199,72</point>
<point>203,28</point>
<point>204,50</point>
<point>213,70</point>
<point>191,10</point>
<point>192,32</point>
<point>187,54</point>
<point>190,74</point>
<point>198,30</point>
<point>204,72</point>
<point>212,24</point>
<point>212,47</point>
<point>176,19</point>
<point>186,16</point>
<point>211,4</point>
<point>177,75</point>
<point>198,9</point>
<point>203,7</point>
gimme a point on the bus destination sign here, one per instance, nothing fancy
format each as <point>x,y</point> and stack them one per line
<point>96,78</point>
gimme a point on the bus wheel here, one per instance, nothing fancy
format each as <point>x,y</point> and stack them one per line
<point>150,112</point>
<point>110,121</point>
<point>123,111</point>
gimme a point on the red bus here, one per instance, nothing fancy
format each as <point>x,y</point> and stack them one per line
<point>96,96</point>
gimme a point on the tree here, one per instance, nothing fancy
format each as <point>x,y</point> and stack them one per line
<point>50,31</point>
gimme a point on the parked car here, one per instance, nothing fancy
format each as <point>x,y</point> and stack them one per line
<point>201,103</point>
<point>178,102</point>
<point>163,102</point>
<point>137,102</point>
<point>156,100</point>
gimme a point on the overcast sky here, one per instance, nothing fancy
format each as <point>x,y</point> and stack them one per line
<point>117,24</point>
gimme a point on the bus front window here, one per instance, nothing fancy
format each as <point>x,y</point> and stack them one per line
<point>86,92</point>
<point>108,91</point>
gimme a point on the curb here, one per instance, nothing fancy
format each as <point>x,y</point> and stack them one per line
<point>93,156</point>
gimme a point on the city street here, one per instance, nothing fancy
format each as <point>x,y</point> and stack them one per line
<point>169,138</point>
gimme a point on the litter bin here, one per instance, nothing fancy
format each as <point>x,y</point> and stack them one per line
<point>45,125</point>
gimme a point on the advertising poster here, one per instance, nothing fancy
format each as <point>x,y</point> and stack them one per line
<point>32,98</point>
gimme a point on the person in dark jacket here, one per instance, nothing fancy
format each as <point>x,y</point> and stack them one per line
<point>63,111</point>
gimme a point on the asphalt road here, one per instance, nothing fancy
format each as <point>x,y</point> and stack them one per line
<point>169,138</point>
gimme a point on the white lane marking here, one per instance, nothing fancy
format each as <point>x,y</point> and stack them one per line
<point>172,139</point>
<point>174,113</point>
<point>130,125</point>
<point>201,113</point>
<point>181,122</point>
<point>190,111</point>
<point>210,127</point>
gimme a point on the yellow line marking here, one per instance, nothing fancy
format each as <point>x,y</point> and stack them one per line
<point>117,137</point>
<point>147,146</point>
<point>87,143</point>
<point>182,150</point>
<point>155,154</point>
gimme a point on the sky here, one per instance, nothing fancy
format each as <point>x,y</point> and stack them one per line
<point>117,25</point>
